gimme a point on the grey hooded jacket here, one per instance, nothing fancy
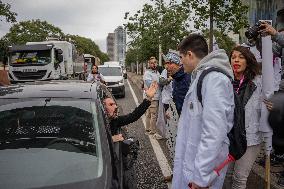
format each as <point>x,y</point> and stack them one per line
<point>202,142</point>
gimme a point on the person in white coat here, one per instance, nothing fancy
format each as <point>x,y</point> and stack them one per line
<point>202,143</point>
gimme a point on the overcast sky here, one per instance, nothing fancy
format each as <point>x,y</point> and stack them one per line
<point>88,18</point>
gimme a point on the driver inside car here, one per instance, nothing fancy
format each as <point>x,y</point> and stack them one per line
<point>118,121</point>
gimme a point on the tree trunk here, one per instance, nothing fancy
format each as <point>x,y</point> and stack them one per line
<point>211,20</point>
<point>137,67</point>
<point>142,68</point>
<point>160,54</point>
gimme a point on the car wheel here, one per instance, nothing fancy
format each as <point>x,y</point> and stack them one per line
<point>123,94</point>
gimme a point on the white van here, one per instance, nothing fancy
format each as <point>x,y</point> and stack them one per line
<point>113,76</point>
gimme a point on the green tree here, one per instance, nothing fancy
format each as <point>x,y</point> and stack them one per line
<point>3,50</point>
<point>37,30</point>
<point>226,15</point>
<point>32,30</point>
<point>158,22</point>
<point>87,46</point>
<point>9,16</point>
<point>223,40</point>
<point>131,56</point>
<point>7,13</point>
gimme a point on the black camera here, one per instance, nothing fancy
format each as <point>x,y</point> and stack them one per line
<point>253,32</point>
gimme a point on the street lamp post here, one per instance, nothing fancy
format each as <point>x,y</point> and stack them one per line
<point>160,45</point>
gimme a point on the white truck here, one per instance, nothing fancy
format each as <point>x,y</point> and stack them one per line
<point>41,61</point>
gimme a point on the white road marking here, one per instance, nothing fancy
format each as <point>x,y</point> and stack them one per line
<point>162,160</point>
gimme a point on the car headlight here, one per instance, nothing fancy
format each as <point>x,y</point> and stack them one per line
<point>121,81</point>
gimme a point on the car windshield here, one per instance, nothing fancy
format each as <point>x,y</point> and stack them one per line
<point>31,57</point>
<point>110,71</point>
<point>60,137</point>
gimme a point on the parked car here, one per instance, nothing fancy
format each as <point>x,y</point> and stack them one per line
<point>113,76</point>
<point>55,135</point>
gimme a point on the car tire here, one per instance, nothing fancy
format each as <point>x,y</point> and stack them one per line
<point>123,94</point>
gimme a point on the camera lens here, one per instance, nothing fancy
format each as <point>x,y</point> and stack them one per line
<point>248,34</point>
<point>252,32</point>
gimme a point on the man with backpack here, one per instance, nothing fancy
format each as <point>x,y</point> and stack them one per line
<point>202,143</point>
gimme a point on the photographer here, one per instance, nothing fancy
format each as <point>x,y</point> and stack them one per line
<point>277,37</point>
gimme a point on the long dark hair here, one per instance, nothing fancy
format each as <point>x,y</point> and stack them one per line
<point>253,68</point>
<point>96,67</point>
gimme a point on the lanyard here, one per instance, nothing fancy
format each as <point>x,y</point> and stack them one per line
<point>240,84</point>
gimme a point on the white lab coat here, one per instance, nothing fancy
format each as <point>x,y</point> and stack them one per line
<point>202,142</point>
<point>167,92</point>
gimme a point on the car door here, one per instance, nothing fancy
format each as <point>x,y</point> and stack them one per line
<point>116,151</point>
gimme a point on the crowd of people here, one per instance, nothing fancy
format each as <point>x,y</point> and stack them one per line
<point>200,89</point>
<point>204,120</point>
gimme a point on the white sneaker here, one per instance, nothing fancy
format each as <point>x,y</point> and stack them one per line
<point>157,136</point>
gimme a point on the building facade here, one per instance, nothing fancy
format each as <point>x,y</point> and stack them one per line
<point>119,44</point>
<point>110,46</point>
<point>262,10</point>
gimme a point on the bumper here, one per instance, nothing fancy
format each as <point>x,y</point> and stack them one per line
<point>117,90</point>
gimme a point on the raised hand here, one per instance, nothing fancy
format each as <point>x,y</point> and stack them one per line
<point>267,29</point>
<point>150,92</point>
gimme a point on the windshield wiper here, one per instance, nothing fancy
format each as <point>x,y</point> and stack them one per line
<point>21,139</point>
<point>86,147</point>
<point>72,140</point>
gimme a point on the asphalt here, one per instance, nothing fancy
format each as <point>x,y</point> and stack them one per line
<point>147,170</point>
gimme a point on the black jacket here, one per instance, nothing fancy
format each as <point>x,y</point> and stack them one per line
<point>120,121</point>
<point>181,84</point>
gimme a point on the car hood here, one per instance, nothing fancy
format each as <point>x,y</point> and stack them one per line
<point>46,168</point>
<point>112,78</point>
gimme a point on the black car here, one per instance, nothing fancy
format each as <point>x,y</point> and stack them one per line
<point>55,135</point>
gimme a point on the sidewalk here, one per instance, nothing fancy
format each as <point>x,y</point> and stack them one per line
<point>256,179</point>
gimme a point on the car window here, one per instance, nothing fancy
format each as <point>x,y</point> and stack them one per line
<point>110,71</point>
<point>103,92</point>
<point>58,136</point>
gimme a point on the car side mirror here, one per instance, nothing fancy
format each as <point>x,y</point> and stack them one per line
<point>59,51</point>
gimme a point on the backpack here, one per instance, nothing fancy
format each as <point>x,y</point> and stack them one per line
<point>237,135</point>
